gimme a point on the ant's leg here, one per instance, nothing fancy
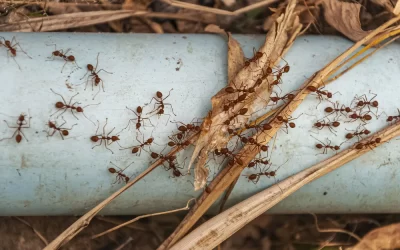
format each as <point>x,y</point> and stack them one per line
<point>97,93</point>
<point>62,137</point>
<point>11,136</point>
<point>110,131</point>
<point>101,141</point>
<point>104,71</point>
<point>104,127</point>
<point>169,116</point>
<point>167,95</point>
<point>63,66</point>
<point>17,44</point>
<point>105,144</point>
<point>171,108</point>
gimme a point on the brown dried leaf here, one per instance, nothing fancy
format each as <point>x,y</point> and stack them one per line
<point>396,10</point>
<point>235,57</point>
<point>213,28</point>
<point>344,17</point>
<point>387,237</point>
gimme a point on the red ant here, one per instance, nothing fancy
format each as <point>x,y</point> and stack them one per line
<point>139,119</point>
<point>120,175</point>
<point>63,131</point>
<point>138,149</point>
<point>276,99</point>
<point>254,163</point>
<point>94,76</point>
<point>287,121</point>
<point>106,138</point>
<point>61,54</point>
<point>256,177</point>
<point>187,128</point>
<point>337,110</point>
<point>326,146</point>
<point>174,166</point>
<point>159,101</point>
<point>10,45</point>
<point>64,106</point>
<point>177,142</point>
<point>230,104</point>
<point>330,125</point>
<point>256,56</point>
<point>357,133</point>
<point>372,143</point>
<point>362,101</point>
<point>320,93</point>
<point>260,146</point>
<point>231,90</point>
<point>362,117</point>
<point>393,117</point>
<point>21,123</point>
<point>233,158</point>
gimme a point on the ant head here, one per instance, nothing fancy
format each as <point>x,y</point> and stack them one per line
<point>367,132</point>
<point>94,138</point>
<point>97,80</point>
<point>292,124</point>
<point>251,140</point>
<point>318,124</point>
<point>375,103</point>
<point>336,124</point>
<point>267,126</point>
<point>275,82</point>
<point>259,54</point>
<point>336,147</point>
<point>65,132</point>
<point>177,173</point>
<point>349,136</point>
<point>59,105</point>
<point>389,119</point>
<point>126,179</point>
<point>378,140</point>
<point>251,164</point>
<point>244,139</point>
<point>159,94</point>
<point>112,170</point>
<point>56,53</point>
<point>252,177</point>
<point>279,118</point>
<point>367,117</point>
<point>114,138</point>
<point>71,58</point>
<point>89,67</point>
<point>290,96</point>
<point>150,140</point>
<point>230,90</point>
<point>50,124</point>
<point>329,109</point>
<point>274,98</point>
<point>319,146</point>
<point>353,116</point>
<point>360,103</point>
<point>348,109</point>
<point>329,94</point>
<point>135,150</point>
<point>179,136</point>
<point>154,155</point>
<point>171,143</point>
<point>138,125</point>
<point>18,138</point>
<point>264,148</point>
<point>139,109</point>
<point>79,109</point>
<point>269,70</point>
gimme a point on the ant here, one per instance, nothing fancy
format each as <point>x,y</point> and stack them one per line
<point>276,99</point>
<point>326,146</point>
<point>336,109</point>
<point>106,138</point>
<point>233,158</point>
<point>231,90</point>
<point>138,149</point>
<point>362,117</point>
<point>370,144</point>
<point>357,133</point>
<point>10,45</point>
<point>362,101</point>
<point>21,123</point>
<point>256,177</point>
<point>330,125</point>
<point>64,106</point>
<point>256,56</point>
<point>94,76</point>
<point>393,117</point>
<point>177,142</point>
<point>287,121</point>
<point>139,119</point>
<point>172,164</point>
<point>320,93</point>
<point>254,163</point>
<point>260,146</point>
<point>63,131</point>
<point>231,103</point>
<point>61,54</point>
<point>120,175</point>
<point>159,101</point>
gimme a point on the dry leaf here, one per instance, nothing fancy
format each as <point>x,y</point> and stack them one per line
<point>345,17</point>
<point>396,10</point>
<point>387,237</point>
<point>212,28</point>
<point>387,4</point>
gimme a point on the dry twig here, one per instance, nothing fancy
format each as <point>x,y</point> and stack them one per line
<point>41,237</point>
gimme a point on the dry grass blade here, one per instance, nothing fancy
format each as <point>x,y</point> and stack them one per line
<point>74,20</point>
<point>222,226</point>
<point>141,217</point>
<point>41,237</point>
<point>344,17</point>
<point>387,237</point>
<point>191,6</point>
<point>124,244</point>
<point>278,40</point>
<point>333,230</point>
<point>228,175</point>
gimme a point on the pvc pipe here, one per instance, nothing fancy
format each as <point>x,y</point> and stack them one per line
<point>51,176</point>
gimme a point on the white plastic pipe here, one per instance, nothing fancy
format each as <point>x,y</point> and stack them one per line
<point>51,176</point>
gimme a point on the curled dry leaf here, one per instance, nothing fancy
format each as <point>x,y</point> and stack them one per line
<point>344,17</point>
<point>387,237</point>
